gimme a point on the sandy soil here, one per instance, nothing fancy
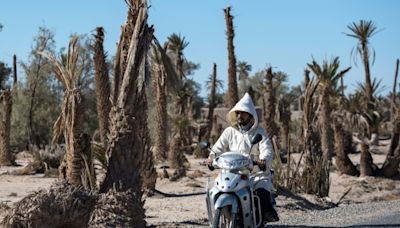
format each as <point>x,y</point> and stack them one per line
<point>182,203</point>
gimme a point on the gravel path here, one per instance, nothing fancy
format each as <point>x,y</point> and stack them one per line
<point>371,214</point>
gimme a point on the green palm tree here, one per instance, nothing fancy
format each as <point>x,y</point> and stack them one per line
<point>243,69</point>
<point>328,76</point>
<point>176,46</point>
<point>363,31</point>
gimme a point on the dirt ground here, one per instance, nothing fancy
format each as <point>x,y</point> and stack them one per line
<point>182,203</point>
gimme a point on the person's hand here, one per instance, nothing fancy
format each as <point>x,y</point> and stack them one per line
<point>209,163</point>
<point>261,164</point>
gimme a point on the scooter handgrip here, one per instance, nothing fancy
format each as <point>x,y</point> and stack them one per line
<point>263,167</point>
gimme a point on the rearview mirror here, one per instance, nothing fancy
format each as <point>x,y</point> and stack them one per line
<point>256,139</point>
<point>204,145</point>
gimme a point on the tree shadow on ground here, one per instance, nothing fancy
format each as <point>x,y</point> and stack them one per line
<point>302,203</point>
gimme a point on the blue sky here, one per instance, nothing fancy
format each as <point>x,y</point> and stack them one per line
<point>286,34</point>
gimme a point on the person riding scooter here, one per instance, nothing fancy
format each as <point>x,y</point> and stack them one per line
<point>244,126</point>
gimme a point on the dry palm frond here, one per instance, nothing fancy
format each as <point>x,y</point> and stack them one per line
<point>173,80</point>
<point>118,209</point>
<point>63,205</point>
<point>67,74</point>
<point>68,71</point>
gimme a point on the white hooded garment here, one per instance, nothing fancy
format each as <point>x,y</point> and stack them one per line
<point>234,140</point>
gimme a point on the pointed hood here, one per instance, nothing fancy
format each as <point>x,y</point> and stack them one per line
<point>245,105</point>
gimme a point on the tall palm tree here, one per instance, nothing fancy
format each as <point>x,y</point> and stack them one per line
<point>70,121</point>
<point>180,139</point>
<point>363,31</point>
<point>159,92</point>
<point>328,77</point>
<point>176,45</point>
<point>233,96</point>
<point>102,85</point>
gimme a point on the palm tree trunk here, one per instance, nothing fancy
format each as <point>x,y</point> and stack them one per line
<point>128,135</point>
<point>366,162</point>
<point>102,85</point>
<point>211,102</point>
<point>269,105</point>
<point>5,127</point>
<point>72,112</point>
<point>233,96</point>
<point>394,95</point>
<point>390,167</point>
<point>368,84</point>
<point>6,97</point>
<point>343,161</point>
<point>285,114</point>
<point>159,88</point>
<point>326,128</point>
<point>128,119</point>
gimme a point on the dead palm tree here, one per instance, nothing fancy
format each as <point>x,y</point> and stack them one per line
<point>328,77</point>
<point>128,137</point>
<point>159,93</point>
<point>315,175</point>
<point>269,104</point>
<point>164,77</point>
<point>390,167</point>
<point>363,31</point>
<point>102,82</point>
<point>211,101</point>
<point>284,115</point>
<point>70,121</point>
<point>213,85</point>
<point>6,96</point>
<point>343,162</point>
<point>233,96</point>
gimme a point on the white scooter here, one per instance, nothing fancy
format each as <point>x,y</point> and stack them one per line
<point>231,202</point>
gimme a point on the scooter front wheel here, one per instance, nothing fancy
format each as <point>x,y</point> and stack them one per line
<point>224,220</point>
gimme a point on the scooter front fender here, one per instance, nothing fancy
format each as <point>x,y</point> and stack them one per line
<point>225,200</point>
